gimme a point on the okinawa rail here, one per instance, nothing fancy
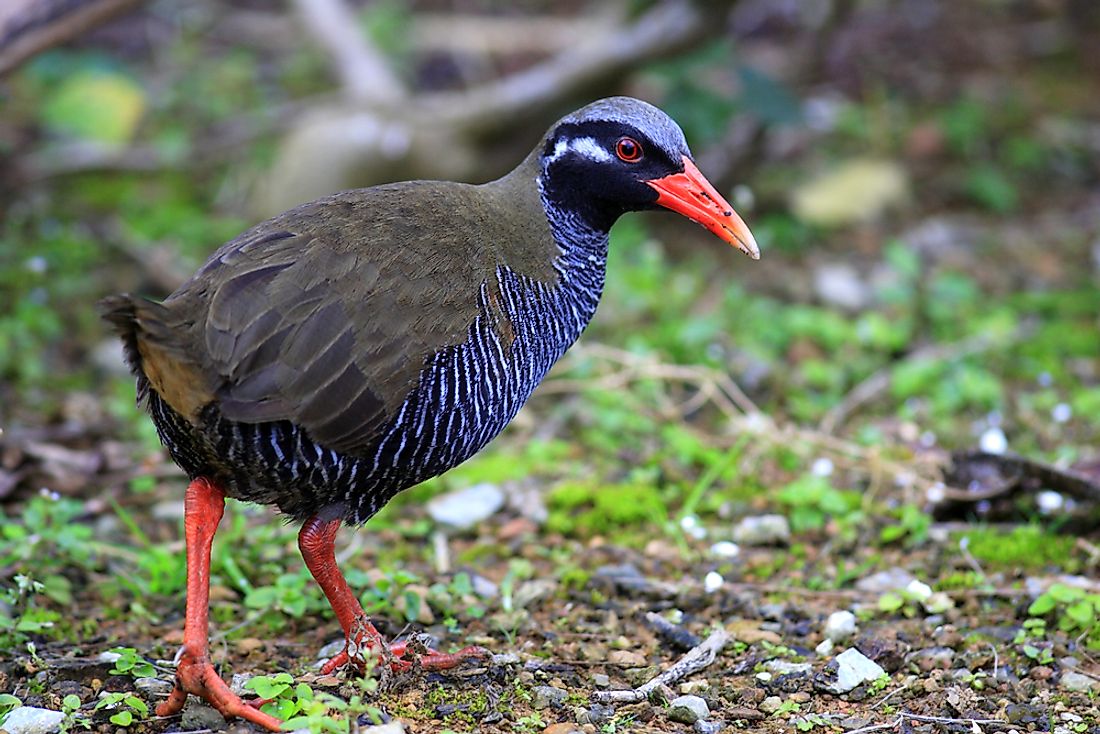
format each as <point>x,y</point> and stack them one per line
<point>354,346</point>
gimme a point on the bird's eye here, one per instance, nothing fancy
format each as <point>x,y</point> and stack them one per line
<point>629,150</point>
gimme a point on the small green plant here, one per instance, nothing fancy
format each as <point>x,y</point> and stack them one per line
<point>812,501</point>
<point>125,706</point>
<point>70,707</point>
<point>787,708</point>
<point>532,722</point>
<point>7,703</point>
<point>810,721</point>
<point>130,663</point>
<point>1074,610</point>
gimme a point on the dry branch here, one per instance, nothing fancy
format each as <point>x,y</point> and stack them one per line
<point>363,71</point>
<point>28,27</point>
<point>694,660</point>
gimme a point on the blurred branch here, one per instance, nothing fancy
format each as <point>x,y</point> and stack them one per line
<point>364,73</point>
<point>28,27</point>
<point>667,28</point>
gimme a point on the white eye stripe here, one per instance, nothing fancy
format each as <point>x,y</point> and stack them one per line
<point>587,147</point>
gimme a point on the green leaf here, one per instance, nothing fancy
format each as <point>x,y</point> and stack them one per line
<point>71,702</point>
<point>1082,613</point>
<point>123,718</point>
<point>100,106</point>
<point>268,687</point>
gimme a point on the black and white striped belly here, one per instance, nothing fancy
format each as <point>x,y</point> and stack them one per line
<point>466,395</point>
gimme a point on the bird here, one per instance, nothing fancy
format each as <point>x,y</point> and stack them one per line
<point>354,346</point>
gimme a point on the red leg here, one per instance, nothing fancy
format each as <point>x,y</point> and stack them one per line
<point>317,540</point>
<point>203,506</point>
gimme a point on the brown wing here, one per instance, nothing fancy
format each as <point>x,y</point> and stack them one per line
<point>325,315</point>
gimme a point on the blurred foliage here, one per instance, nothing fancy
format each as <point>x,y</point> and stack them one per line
<point>615,465</point>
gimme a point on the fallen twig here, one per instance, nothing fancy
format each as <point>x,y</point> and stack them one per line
<point>902,717</point>
<point>696,659</point>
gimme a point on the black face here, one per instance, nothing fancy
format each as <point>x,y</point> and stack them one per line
<point>598,169</point>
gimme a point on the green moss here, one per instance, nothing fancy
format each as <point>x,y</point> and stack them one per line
<point>586,508</point>
<point>1028,547</point>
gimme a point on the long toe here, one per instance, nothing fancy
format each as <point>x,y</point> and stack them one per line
<point>200,679</point>
<point>404,656</point>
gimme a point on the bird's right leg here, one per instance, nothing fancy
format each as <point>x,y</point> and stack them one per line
<point>317,540</point>
<point>203,506</point>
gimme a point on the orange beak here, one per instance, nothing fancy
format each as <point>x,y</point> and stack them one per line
<point>691,194</point>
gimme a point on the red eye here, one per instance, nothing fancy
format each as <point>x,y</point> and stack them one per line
<point>629,150</point>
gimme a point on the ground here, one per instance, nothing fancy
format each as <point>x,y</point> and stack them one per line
<point>893,414</point>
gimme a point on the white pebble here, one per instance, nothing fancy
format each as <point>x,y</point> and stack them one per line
<point>936,493</point>
<point>713,582</point>
<point>993,441</point>
<point>840,626</point>
<point>1050,501</point>
<point>919,590</point>
<point>1061,413</point>
<point>822,467</point>
<point>725,549</point>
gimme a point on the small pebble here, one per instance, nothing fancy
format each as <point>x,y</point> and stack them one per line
<point>601,680</point>
<point>548,697</point>
<point>993,441</point>
<point>822,467</point>
<point>31,720</point>
<point>1061,413</point>
<point>762,530</point>
<point>467,507</point>
<point>840,626</point>
<point>688,709</point>
<point>853,668</point>
<point>725,549</point>
<point>1074,681</point>
<point>708,727</point>
<point>713,582</point>
<point>771,704</point>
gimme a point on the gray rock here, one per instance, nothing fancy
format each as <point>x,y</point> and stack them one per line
<point>840,625</point>
<point>504,658</point>
<point>1074,681</point>
<point>708,727</point>
<point>30,720</point>
<point>891,579</point>
<point>785,667</point>
<point>853,668</point>
<point>762,530</point>
<point>484,587</point>
<point>932,658</point>
<point>534,591</point>
<point>601,680</point>
<point>467,507</point>
<point>154,686</point>
<point>394,727</point>
<point>197,715</point>
<point>771,704</point>
<point>688,709</point>
<point>548,697</point>
<point>839,284</point>
<point>330,649</point>
<point>596,714</point>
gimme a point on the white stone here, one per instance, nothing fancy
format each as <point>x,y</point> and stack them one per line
<point>1049,501</point>
<point>467,507</point>
<point>840,626</point>
<point>822,467</point>
<point>30,720</point>
<point>839,284</point>
<point>1061,413</point>
<point>993,441</point>
<point>825,647</point>
<point>854,668</point>
<point>918,590</point>
<point>713,582</point>
<point>762,530</point>
<point>725,549</point>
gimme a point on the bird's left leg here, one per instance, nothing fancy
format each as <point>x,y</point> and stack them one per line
<point>317,540</point>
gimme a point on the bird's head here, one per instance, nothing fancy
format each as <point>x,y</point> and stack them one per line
<point>621,154</point>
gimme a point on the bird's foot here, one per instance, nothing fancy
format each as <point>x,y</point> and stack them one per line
<point>365,642</point>
<point>195,675</point>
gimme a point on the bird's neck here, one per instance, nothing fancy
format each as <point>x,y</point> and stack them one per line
<point>583,243</point>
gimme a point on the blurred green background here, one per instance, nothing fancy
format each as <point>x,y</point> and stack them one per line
<point>923,179</point>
